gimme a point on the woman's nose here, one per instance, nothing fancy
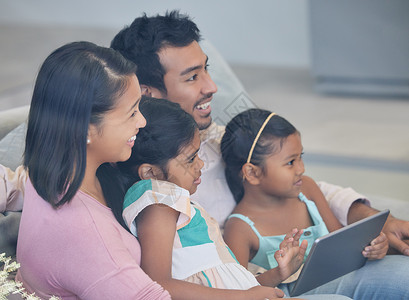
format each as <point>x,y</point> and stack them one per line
<point>141,121</point>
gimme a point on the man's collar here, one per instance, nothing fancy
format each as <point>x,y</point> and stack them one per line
<point>211,132</point>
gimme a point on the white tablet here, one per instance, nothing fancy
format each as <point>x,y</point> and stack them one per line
<point>338,253</point>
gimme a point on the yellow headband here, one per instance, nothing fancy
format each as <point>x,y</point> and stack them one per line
<point>258,136</point>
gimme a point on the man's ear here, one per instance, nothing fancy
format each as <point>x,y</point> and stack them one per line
<point>148,171</point>
<point>251,173</point>
<point>151,91</point>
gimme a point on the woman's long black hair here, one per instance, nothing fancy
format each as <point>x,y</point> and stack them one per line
<point>76,86</point>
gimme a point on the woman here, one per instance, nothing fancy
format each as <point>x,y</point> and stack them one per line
<point>83,116</point>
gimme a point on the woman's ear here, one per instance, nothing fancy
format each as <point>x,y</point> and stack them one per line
<point>92,132</point>
<point>148,171</point>
<point>251,173</point>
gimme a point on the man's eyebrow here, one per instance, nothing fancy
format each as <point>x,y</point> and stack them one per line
<point>190,69</point>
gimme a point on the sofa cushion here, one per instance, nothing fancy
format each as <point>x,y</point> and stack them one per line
<point>12,147</point>
<point>11,118</point>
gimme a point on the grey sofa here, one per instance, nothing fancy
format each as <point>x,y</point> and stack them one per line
<point>11,118</point>
<point>12,131</point>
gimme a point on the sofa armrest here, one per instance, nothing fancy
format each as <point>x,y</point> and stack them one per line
<point>11,118</point>
<point>13,128</point>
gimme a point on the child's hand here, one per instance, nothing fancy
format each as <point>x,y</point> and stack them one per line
<point>262,293</point>
<point>378,247</point>
<point>291,254</point>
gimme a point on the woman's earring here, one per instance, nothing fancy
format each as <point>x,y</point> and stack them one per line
<point>88,141</point>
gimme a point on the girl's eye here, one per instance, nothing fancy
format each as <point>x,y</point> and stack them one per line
<point>290,163</point>
<point>190,161</point>
<point>134,113</point>
<point>206,67</point>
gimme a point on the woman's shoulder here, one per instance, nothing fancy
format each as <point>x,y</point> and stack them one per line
<point>77,226</point>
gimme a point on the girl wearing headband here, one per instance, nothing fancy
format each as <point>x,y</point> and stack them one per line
<point>264,170</point>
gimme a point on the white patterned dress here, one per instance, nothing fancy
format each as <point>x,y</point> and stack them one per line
<point>200,254</point>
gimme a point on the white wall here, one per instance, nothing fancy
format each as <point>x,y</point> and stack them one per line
<point>270,32</point>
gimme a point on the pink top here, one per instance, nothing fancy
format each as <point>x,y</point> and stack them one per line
<point>79,251</point>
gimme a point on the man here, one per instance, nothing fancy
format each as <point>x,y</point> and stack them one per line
<point>172,65</point>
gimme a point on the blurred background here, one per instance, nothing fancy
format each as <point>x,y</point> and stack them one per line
<point>337,70</point>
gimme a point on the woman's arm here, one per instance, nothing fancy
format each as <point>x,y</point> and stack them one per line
<point>311,190</point>
<point>156,232</point>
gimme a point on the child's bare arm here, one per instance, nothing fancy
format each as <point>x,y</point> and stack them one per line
<point>240,238</point>
<point>156,231</point>
<point>311,190</point>
<point>156,226</point>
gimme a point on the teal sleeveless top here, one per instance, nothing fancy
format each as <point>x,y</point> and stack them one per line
<point>268,245</point>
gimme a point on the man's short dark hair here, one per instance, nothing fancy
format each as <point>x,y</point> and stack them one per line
<point>146,36</point>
